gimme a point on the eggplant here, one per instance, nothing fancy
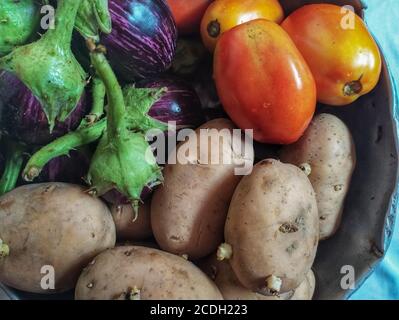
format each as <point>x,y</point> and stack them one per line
<point>143,38</point>
<point>69,169</point>
<point>49,68</point>
<point>121,160</point>
<point>178,102</point>
<point>116,198</point>
<point>169,99</point>
<point>22,116</point>
<point>19,23</point>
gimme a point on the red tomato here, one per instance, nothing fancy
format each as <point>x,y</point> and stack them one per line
<point>188,14</point>
<point>264,82</point>
<point>222,15</point>
<point>344,59</point>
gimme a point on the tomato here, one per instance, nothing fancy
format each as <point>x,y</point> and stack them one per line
<point>345,61</point>
<point>222,15</point>
<point>263,82</point>
<point>188,14</point>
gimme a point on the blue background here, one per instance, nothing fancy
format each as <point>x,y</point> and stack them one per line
<point>382,18</point>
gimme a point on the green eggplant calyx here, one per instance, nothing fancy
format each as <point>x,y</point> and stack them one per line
<point>123,159</point>
<point>19,23</point>
<point>138,103</point>
<point>48,67</point>
<point>126,165</point>
<point>93,17</point>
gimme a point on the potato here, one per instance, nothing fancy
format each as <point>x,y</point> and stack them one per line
<point>133,272</point>
<point>127,228</point>
<point>228,284</point>
<point>189,211</point>
<point>327,146</point>
<point>51,224</point>
<point>306,289</point>
<point>272,226</point>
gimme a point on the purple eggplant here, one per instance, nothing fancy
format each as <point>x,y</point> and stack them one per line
<point>178,103</point>
<point>22,116</point>
<point>143,38</point>
<point>116,198</point>
<point>70,169</point>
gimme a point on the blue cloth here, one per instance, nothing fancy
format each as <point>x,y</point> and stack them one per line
<point>382,18</point>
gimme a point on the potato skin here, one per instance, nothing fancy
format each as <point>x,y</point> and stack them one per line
<point>273,227</point>
<point>157,274</point>
<point>55,224</point>
<point>129,229</point>
<point>189,211</point>
<point>327,146</point>
<point>228,284</point>
<point>306,289</point>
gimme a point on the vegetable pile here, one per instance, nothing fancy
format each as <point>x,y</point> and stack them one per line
<point>82,189</point>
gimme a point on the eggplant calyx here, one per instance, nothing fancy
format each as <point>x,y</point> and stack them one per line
<point>138,103</point>
<point>19,23</point>
<point>48,67</point>
<point>123,159</point>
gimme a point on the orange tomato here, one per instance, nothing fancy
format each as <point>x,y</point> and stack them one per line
<point>222,15</point>
<point>188,14</point>
<point>263,82</point>
<point>343,56</point>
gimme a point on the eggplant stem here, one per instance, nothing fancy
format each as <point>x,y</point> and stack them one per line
<point>62,146</point>
<point>116,113</point>
<point>97,109</point>
<point>13,166</point>
<point>64,20</point>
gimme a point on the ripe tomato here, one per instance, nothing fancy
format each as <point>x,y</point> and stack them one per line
<point>188,14</point>
<point>345,61</point>
<point>222,15</point>
<point>263,82</point>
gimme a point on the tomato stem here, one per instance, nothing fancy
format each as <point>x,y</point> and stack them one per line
<point>213,28</point>
<point>352,88</point>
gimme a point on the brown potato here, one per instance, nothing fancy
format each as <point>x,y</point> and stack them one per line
<point>133,272</point>
<point>327,147</point>
<point>189,211</point>
<point>228,284</point>
<point>127,228</point>
<point>306,289</point>
<point>51,224</point>
<point>272,227</point>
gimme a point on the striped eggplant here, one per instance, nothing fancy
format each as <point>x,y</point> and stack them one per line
<point>178,103</point>
<point>22,116</point>
<point>143,38</point>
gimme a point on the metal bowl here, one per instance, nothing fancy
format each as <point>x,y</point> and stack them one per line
<point>370,208</point>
